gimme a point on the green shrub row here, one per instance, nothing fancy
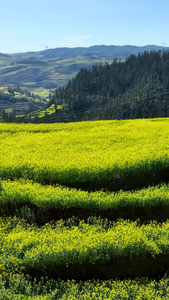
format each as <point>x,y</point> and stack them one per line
<point>38,203</point>
<point>86,251</point>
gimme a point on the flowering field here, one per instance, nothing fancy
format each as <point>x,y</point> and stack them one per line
<point>41,204</point>
<point>58,249</point>
<point>84,201</point>
<point>100,154</point>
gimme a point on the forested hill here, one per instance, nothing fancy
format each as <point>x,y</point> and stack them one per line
<point>135,88</point>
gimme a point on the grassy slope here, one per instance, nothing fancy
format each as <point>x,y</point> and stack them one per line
<point>42,112</point>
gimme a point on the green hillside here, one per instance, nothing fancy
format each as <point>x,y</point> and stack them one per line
<point>41,73</point>
<point>137,87</point>
<point>49,69</point>
<point>15,101</point>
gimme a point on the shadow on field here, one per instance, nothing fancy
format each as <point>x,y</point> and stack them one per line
<point>125,183</point>
<point>113,268</point>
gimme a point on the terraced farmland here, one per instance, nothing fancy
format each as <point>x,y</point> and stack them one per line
<point>84,210</point>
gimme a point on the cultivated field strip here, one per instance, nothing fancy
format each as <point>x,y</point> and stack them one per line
<point>41,204</point>
<point>22,288</point>
<point>87,155</point>
<point>98,250</point>
<point>84,210</point>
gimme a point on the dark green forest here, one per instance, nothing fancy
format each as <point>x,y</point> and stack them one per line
<point>137,87</point>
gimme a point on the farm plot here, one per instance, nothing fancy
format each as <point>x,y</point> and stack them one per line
<point>84,210</point>
<point>42,204</point>
<point>87,155</point>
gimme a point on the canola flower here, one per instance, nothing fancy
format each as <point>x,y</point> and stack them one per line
<point>21,287</point>
<point>44,248</point>
<point>70,154</point>
<point>26,191</point>
<point>85,151</point>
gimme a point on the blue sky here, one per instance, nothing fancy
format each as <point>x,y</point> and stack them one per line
<point>32,25</point>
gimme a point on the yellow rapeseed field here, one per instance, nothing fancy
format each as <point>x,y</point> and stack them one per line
<point>82,152</point>
<point>41,165</point>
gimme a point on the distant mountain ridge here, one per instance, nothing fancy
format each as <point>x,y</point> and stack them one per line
<point>4,55</point>
<point>52,68</point>
<point>112,50</point>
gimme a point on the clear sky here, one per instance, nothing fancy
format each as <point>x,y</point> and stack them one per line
<point>31,25</point>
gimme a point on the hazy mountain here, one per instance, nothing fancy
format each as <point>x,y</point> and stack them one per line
<point>52,68</point>
<point>101,51</point>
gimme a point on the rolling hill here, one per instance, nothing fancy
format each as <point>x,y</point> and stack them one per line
<point>46,70</point>
<point>42,72</point>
